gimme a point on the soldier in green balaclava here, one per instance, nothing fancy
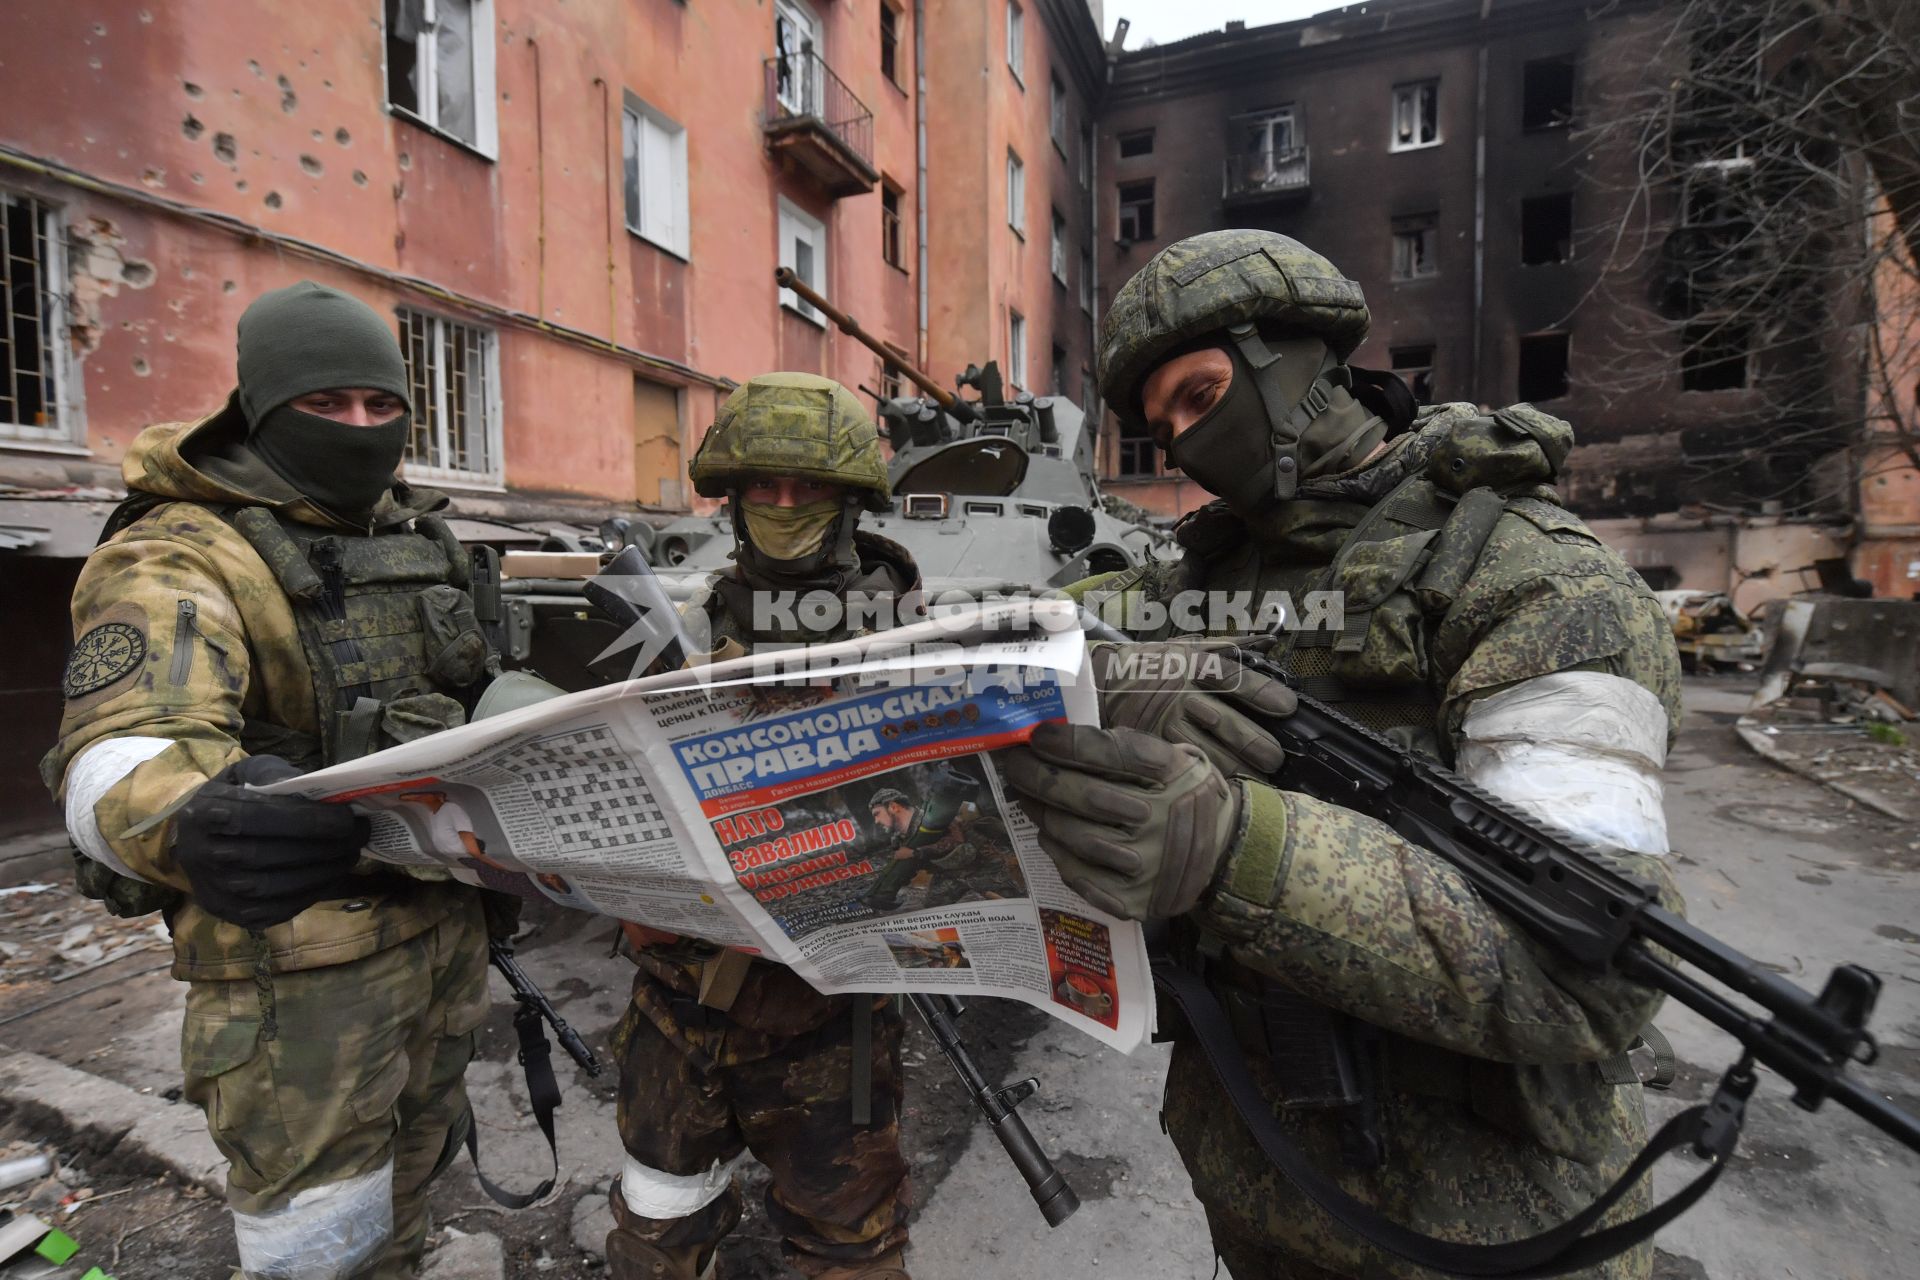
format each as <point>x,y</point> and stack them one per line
<point>270,599</point>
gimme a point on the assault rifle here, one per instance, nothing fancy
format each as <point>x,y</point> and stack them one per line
<point>1556,888</point>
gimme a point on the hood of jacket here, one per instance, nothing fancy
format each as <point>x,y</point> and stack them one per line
<point>208,461</point>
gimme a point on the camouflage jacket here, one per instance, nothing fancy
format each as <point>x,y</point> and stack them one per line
<point>1448,597</point>
<point>208,644</point>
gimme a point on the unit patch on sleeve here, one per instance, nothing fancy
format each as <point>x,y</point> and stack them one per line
<point>109,652</point>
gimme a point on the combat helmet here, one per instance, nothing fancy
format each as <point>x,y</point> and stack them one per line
<point>1210,282</point>
<point>793,424</point>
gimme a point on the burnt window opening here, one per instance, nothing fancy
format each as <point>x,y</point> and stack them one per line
<point>1546,94</point>
<point>1416,246</point>
<point>1543,367</point>
<point>890,42</point>
<point>1546,230</point>
<point>1057,372</point>
<point>1414,366</point>
<point>1136,210</point>
<point>1714,356</point>
<point>892,234</point>
<point>1137,143</point>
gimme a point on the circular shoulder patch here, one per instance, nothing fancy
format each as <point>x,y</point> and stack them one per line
<point>109,652</point>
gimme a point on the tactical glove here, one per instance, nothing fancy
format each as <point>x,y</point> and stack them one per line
<point>1192,691</point>
<point>256,860</point>
<point>1137,826</point>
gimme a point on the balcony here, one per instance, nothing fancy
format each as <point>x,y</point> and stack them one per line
<point>1265,175</point>
<point>815,121</point>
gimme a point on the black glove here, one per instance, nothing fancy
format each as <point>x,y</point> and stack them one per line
<point>257,860</point>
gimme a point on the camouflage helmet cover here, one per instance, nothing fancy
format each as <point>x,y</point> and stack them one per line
<point>889,795</point>
<point>792,424</point>
<point>1210,282</point>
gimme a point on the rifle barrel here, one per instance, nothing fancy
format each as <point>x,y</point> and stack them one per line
<point>786,278</point>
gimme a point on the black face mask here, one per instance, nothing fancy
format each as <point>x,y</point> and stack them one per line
<point>1230,451</point>
<point>344,469</point>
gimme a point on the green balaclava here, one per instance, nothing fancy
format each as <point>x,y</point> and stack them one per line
<point>308,338</point>
<point>790,536</point>
<point>1287,416</point>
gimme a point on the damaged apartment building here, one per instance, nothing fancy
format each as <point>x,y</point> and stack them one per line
<point>572,214</point>
<point>1482,170</point>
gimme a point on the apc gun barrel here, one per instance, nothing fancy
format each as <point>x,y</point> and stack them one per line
<point>885,350</point>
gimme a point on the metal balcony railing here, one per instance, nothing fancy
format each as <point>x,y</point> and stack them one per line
<point>1264,173</point>
<point>802,88</point>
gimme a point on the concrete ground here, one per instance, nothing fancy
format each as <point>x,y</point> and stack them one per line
<point>1774,864</point>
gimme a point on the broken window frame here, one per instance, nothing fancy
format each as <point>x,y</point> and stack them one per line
<point>1416,247</point>
<point>1565,340</point>
<point>1133,138</point>
<point>1135,221</point>
<point>1700,372</point>
<point>1531,123</point>
<point>442,416</point>
<point>1017,42</point>
<point>1058,109</point>
<point>1566,245</point>
<point>427,111</point>
<point>1414,122</point>
<point>1058,245</point>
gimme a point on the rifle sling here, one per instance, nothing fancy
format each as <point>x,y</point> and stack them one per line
<point>1554,1252</point>
<point>543,1096</point>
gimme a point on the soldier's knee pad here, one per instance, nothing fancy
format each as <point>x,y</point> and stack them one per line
<point>327,1232</point>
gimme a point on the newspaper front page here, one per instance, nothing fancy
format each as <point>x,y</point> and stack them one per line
<point>834,809</point>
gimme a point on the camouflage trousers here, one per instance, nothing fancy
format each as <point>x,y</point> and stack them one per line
<point>328,1086</point>
<point>773,1076</point>
<point>1448,1173</point>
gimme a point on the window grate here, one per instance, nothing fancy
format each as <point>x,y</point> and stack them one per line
<point>450,375</point>
<point>30,358</point>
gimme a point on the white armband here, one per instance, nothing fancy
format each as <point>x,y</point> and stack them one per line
<point>93,773</point>
<point>1580,749</point>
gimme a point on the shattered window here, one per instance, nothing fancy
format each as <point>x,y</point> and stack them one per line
<point>1136,210</point>
<point>1416,246</point>
<point>1416,115</point>
<point>452,380</point>
<point>32,352</point>
<point>440,66</point>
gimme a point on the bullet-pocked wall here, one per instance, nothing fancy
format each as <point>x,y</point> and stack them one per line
<point>580,208</point>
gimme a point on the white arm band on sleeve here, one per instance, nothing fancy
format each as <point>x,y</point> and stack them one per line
<point>93,773</point>
<point>655,1193</point>
<point>1581,749</point>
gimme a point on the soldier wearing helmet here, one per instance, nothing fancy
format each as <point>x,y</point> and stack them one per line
<point>721,1054</point>
<point>1439,1065</point>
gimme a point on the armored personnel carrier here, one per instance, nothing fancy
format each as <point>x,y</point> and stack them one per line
<point>991,496</point>
<point>989,493</point>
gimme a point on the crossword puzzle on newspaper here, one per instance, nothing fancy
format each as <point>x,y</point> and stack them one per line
<point>590,791</point>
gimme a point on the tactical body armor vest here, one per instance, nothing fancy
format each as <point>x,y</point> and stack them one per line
<point>1398,570</point>
<point>390,637</point>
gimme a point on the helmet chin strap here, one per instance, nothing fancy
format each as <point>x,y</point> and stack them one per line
<point>1290,418</point>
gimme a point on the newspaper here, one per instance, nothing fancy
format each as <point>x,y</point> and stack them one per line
<point>834,809</point>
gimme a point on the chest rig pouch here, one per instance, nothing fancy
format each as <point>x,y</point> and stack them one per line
<point>388,629</point>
